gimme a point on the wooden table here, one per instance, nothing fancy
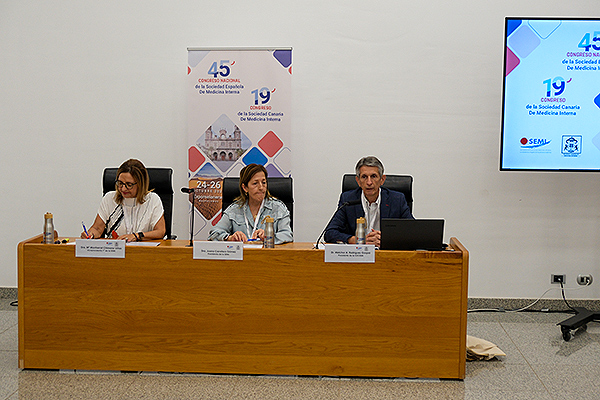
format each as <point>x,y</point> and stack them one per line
<point>280,311</point>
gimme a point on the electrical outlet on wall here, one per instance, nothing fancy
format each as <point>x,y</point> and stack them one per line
<point>584,280</point>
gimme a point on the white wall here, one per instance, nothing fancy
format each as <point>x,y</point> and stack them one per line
<point>84,85</point>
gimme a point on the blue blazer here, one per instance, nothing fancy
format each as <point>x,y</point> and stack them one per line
<point>343,223</point>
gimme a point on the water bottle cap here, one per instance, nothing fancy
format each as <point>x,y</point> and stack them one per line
<point>268,219</point>
<point>360,220</point>
<point>48,215</point>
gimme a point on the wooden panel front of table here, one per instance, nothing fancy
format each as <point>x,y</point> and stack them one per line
<point>280,311</point>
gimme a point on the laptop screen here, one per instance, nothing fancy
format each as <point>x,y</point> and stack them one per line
<point>411,234</point>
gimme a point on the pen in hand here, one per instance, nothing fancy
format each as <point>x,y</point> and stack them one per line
<point>85,230</point>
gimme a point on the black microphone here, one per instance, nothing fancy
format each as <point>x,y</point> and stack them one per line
<point>190,191</point>
<point>345,204</point>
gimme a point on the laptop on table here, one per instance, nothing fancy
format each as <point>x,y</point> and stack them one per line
<point>411,234</point>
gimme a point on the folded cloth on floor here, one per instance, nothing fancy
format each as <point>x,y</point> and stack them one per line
<point>479,349</point>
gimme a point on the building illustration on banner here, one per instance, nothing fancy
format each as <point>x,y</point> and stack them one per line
<point>221,147</point>
<point>223,143</point>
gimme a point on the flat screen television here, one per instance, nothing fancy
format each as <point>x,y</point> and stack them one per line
<point>551,95</point>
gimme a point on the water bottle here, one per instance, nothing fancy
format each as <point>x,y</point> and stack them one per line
<point>48,229</point>
<point>269,241</point>
<point>361,228</point>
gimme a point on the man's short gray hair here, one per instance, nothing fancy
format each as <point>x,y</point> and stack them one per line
<point>369,161</point>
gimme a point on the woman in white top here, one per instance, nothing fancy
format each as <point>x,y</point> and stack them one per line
<point>131,212</point>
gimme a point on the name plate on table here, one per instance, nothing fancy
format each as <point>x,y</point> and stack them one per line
<point>99,248</point>
<point>350,253</point>
<point>218,250</point>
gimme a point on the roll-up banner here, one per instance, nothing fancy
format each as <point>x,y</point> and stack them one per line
<point>239,104</point>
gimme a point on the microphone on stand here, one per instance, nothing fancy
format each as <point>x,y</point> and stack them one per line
<point>191,191</point>
<point>345,204</point>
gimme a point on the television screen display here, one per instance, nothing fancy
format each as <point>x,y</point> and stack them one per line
<point>551,96</point>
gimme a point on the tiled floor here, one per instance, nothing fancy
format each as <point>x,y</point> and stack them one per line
<point>538,365</point>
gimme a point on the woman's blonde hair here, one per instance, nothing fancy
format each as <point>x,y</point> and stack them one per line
<point>140,175</point>
<point>246,175</point>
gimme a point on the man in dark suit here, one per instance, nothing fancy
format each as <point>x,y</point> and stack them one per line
<point>370,201</point>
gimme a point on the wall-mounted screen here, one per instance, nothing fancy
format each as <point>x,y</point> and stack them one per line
<point>551,96</point>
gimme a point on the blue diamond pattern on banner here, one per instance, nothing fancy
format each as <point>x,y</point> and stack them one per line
<point>523,41</point>
<point>254,156</point>
<point>284,57</point>
<point>511,26</point>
